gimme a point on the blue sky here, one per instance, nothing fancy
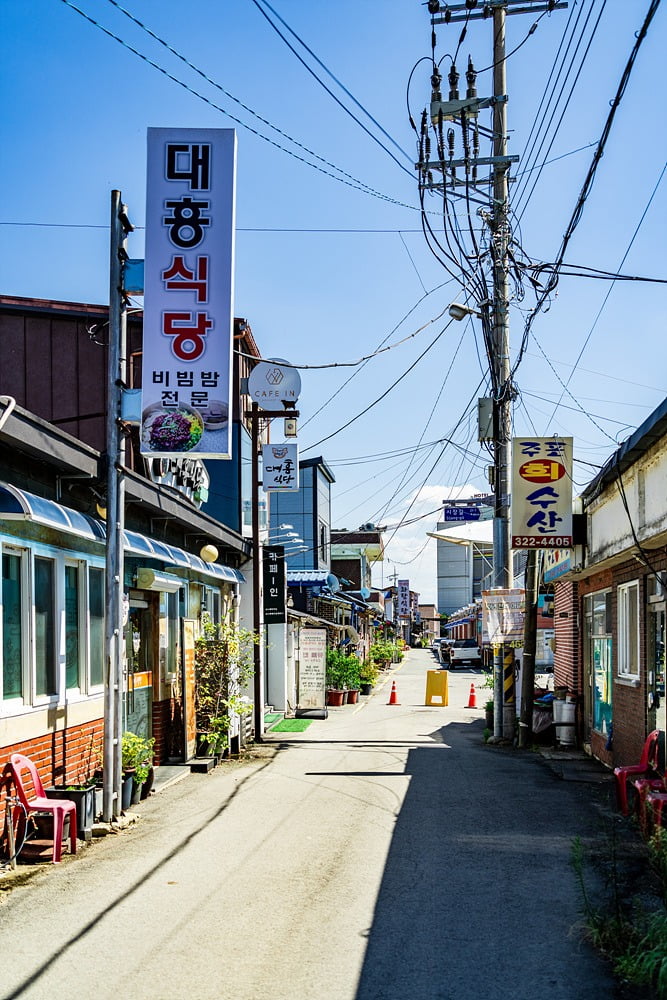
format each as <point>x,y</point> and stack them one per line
<point>325,272</point>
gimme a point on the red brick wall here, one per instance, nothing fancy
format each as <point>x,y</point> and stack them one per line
<point>66,757</point>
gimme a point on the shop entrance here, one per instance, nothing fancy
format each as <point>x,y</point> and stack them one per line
<point>139,669</point>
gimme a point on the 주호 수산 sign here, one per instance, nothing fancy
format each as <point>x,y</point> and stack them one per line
<point>280,466</point>
<point>541,493</point>
<point>188,293</point>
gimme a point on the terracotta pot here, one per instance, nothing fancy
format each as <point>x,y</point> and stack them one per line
<point>335,698</point>
<point>352,697</point>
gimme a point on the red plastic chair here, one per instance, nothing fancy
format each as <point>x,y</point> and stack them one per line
<point>39,802</point>
<point>647,766</point>
<point>656,800</point>
<point>643,787</point>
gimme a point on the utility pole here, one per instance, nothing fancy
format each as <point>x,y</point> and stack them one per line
<point>503,659</point>
<point>254,415</point>
<point>114,552</point>
<point>463,111</point>
<point>529,648</point>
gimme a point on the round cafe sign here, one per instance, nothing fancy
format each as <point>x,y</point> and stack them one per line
<point>273,382</point>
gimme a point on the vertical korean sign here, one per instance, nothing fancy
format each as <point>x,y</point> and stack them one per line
<point>542,493</point>
<point>274,585</point>
<point>188,293</point>
<point>403,598</point>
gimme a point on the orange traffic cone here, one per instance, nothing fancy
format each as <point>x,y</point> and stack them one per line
<point>472,697</point>
<point>393,700</point>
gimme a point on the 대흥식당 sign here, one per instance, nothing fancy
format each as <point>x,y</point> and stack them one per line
<point>280,466</point>
<point>541,493</point>
<point>188,293</point>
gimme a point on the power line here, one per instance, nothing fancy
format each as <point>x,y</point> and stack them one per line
<point>590,177</point>
<point>385,393</point>
<point>336,80</point>
<point>346,178</point>
<point>330,92</point>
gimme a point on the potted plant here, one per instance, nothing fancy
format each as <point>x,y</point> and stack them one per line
<point>368,675</point>
<point>82,793</point>
<point>137,763</point>
<point>224,665</point>
<point>335,677</point>
<point>351,678</point>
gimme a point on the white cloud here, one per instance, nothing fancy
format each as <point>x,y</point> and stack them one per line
<point>409,552</point>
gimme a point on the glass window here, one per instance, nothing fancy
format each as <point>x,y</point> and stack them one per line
<point>12,617</point>
<point>96,625</point>
<point>628,629</point>
<point>72,627</point>
<point>45,645</point>
<point>598,655</point>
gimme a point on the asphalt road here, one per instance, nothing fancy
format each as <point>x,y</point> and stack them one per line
<point>385,853</point>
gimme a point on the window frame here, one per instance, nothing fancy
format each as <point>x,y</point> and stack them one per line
<point>10,704</point>
<point>628,643</point>
<point>61,560</point>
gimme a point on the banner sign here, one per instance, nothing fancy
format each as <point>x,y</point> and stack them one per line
<point>311,693</point>
<point>542,493</point>
<point>280,466</point>
<point>188,293</point>
<point>403,598</point>
<point>274,585</point>
<point>503,616</point>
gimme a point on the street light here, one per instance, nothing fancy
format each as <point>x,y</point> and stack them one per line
<point>459,311</point>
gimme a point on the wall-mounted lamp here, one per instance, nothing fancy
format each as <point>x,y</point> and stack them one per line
<point>208,553</point>
<point>102,511</point>
<point>290,427</point>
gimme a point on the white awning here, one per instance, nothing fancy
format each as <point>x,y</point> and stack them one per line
<point>20,505</point>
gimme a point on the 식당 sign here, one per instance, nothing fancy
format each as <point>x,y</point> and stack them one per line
<point>542,493</point>
<point>280,466</point>
<point>188,293</point>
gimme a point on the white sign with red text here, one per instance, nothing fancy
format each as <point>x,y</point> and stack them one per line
<point>188,293</point>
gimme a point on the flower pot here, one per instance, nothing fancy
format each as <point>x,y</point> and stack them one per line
<point>135,796</point>
<point>488,716</point>
<point>84,799</point>
<point>148,784</point>
<point>126,790</point>
<point>335,698</point>
<point>366,688</point>
<point>353,697</point>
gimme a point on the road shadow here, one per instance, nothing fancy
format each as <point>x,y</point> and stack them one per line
<point>478,896</point>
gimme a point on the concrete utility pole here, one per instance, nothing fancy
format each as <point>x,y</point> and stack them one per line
<point>114,567</point>
<point>504,696</point>
<point>503,659</point>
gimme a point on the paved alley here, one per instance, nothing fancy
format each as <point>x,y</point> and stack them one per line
<point>384,853</point>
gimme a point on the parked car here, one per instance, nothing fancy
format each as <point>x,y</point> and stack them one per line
<point>463,651</point>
